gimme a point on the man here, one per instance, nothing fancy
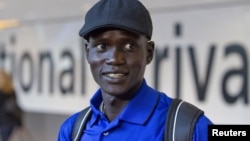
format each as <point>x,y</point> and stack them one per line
<point>118,49</point>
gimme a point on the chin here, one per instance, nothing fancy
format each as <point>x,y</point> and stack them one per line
<point>115,91</point>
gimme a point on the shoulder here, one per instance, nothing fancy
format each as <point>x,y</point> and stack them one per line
<point>203,121</point>
<point>165,100</point>
<point>66,128</point>
<point>201,128</point>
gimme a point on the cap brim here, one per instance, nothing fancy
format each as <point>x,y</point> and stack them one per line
<point>85,33</point>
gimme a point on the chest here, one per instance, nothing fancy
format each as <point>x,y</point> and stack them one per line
<point>121,130</point>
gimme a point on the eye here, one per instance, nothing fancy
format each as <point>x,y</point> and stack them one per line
<point>129,46</point>
<point>101,47</point>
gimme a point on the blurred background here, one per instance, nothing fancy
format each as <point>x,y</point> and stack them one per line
<point>201,56</point>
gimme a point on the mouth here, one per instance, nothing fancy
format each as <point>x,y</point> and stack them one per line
<point>115,75</point>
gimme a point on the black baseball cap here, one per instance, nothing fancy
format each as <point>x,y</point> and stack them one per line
<point>129,15</point>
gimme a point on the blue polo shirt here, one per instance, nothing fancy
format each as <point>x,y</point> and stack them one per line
<point>143,119</point>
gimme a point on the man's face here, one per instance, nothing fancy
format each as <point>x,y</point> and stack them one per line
<point>118,60</point>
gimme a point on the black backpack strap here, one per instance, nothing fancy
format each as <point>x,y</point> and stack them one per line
<point>181,120</point>
<point>79,124</point>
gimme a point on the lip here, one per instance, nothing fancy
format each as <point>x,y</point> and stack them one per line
<point>115,77</point>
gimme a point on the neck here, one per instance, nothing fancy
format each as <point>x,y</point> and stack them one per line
<point>112,109</point>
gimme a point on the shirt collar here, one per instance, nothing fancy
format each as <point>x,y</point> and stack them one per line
<point>95,103</point>
<point>138,110</point>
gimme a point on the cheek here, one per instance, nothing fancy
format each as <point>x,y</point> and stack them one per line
<point>138,61</point>
<point>95,61</point>
<point>138,65</point>
<point>93,58</point>
<point>95,64</point>
<point>95,71</point>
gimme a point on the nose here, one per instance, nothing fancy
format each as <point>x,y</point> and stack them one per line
<point>115,56</point>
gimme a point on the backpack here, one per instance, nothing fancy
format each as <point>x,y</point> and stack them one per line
<point>180,123</point>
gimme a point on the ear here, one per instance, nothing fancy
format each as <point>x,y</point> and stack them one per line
<point>150,51</point>
<point>86,46</point>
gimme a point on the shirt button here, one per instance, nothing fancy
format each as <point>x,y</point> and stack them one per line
<point>106,133</point>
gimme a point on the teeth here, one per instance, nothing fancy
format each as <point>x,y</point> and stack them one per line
<point>115,75</point>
